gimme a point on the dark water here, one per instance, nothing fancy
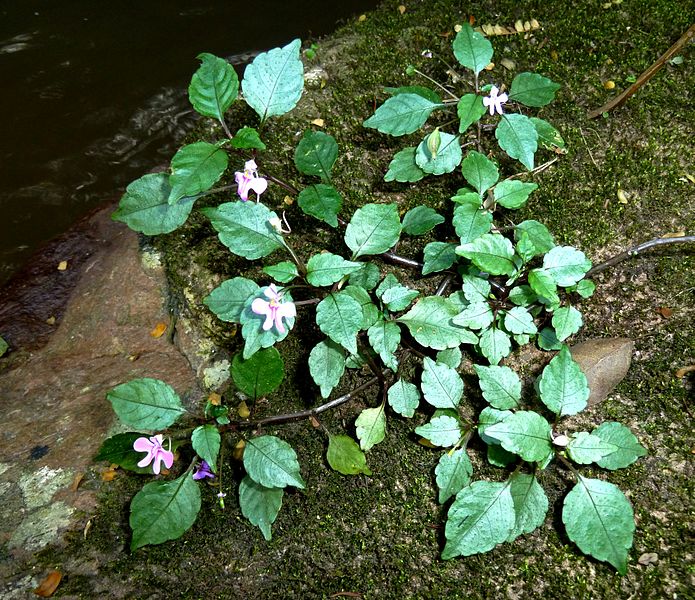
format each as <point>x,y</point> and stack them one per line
<point>94,94</point>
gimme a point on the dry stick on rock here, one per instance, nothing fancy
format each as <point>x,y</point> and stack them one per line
<point>635,250</point>
<point>618,101</point>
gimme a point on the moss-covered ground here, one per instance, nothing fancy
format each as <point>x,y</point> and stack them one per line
<point>380,536</point>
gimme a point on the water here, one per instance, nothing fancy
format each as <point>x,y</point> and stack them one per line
<point>94,94</point>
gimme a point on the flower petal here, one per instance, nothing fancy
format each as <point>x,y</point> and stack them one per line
<point>258,185</point>
<point>143,444</point>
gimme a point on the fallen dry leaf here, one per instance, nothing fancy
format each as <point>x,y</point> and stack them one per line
<point>362,18</point>
<point>518,27</point>
<point>238,452</point>
<point>665,312</point>
<point>215,399</point>
<point>87,527</point>
<point>690,178</point>
<point>317,122</point>
<point>314,422</point>
<point>51,321</point>
<point>401,9</point>
<point>605,362</point>
<point>63,265</point>
<point>48,585</point>
<point>508,64</point>
<point>675,234</point>
<point>76,482</point>
<point>288,200</point>
<point>683,371</point>
<point>622,196</point>
<point>609,85</point>
<point>243,410</point>
<point>158,330</point>
<point>109,474</point>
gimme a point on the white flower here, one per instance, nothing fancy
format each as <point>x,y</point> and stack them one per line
<point>495,101</point>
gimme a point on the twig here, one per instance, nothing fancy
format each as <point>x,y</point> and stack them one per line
<point>618,101</point>
<point>401,261</point>
<point>635,250</point>
<point>538,169</point>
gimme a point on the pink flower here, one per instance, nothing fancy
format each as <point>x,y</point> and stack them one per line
<point>155,452</point>
<point>274,310</point>
<point>248,179</point>
<point>495,102</point>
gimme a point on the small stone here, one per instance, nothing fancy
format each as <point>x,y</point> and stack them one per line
<point>605,362</point>
<point>648,558</point>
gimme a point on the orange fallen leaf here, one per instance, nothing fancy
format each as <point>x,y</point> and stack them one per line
<point>665,312</point>
<point>215,399</point>
<point>158,330</point>
<point>48,585</point>
<point>109,474</point>
<point>76,482</point>
<point>63,265</point>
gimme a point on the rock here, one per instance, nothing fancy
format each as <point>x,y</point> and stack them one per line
<point>605,362</point>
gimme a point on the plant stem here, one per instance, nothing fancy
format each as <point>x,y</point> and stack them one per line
<point>439,85</point>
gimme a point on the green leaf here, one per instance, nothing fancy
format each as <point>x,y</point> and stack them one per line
<point>488,417</point>
<point>145,206</point>
<point>479,171</point>
<point>339,316</point>
<point>272,462</point>
<point>247,138</point>
<point>431,95</point>
<point>404,398</point>
<point>439,256</point>
<point>585,288</point>
<point>539,234</point>
<point>273,82</point>
<point>499,457</point>
<point>491,252</point>
<point>326,365</point>
<point>466,195</point>
<point>195,168</point>
<point>476,289</point>
<point>599,519</point>
<point>345,456</point>
<point>501,386</point>
<point>472,49</point>
<point>384,337</point>
<point>511,193</point>
<point>146,404</point>
<point>566,265</point>
<point>403,167</point>
<point>548,137</point>
<point>563,386</point>
<point>402,114</point>
<point>4,346</point>
<point>543,283</point>
<point>255,337</point>
<point>518,320</point>
<point>525,433</point>
<point>326,269</point>
<point>206,443</point>
<point>445,160</point>
<point>118,450</point>
<point>373,229</point>
<point>370,427</point>
<point>321,201</point>
<point>453,472</point>
<point>547,340</point>
<point>214,86</point>
<point>367,277</point>
<point>244,227</point>
<point>228,299</point>
<point>471,221</point>
<point>420,220</point>
<point>430,323</point>
<point>370,313</point>
<point>495,345</point>
<point>525,248</point>
<point>260,374</point>
<point>282,272</point>
<point>399,297</point>
<point>530,504</point>
<point>469,108</point>
<point>518,138</point>
<point>481,516</point>
<point>164,510</point>
<point>442,386</point>
<point>532,89</point>
<point>477,315</point>
<point>441,431</point>
<point>522,295</point>
<point>316,154</point>
<point>585,448</point>
<point>260,504</point>
<point>451,357</point>
<point>628,449</point>
<point>566,321</point>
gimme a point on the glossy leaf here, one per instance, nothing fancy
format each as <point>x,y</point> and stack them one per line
<point>404,398</point>
<point>164,510</point>
<point>501,386</point>
<point>530,504</point>
<point>548,136</point>
<point>420,220</point>
<point>321,201</point>
<point>479,171</point>
<point>118,450</point>
<point>441,431</point>
<point>469,108</point>
<point>543,283</point>
<point>214,86</point>
<point>566,321</point>
<point>228,299</point>
<point>471,221</point>
<point>453,473</point>
<point>327,365</point>
<point>628,449</point>
<point>538,233</point>
<point>585,448</point>
<point>373,229</point>
<point>370,313</point>
<point>345,456</point>
<point>283,272</point>
<point>316,154</point>
<point>563,386</point>
<point>146,403</point>
<point>566,265</point>
<point>532,89</point>
<point>525,433</point>
<point>273,82</point>
<point>518,320</point>
<point>384,337</point>
<point>399,297</point>
<point>491,252</point>
<point>599,519</point>
<point>518,138</point>
<point>195,168</point>
<point>272,462</point>
<point>477,315</point>
<point>472,49</point>
<point>339,316</point>
<point>260,374</point>
<point>402,114</point>
<point>439,256</point>
<point>206,441</point>
<point>447,157</point>
<point>476,289</point>
<point>451,357</point>
<point>441,386</point>
<point>488,417</point>
<point>547,340</point>
<point>403,167</point>
<point>247,138</point>
<point>511,193</point>
<point>370,427</point>
<point>260,504</point>
<point>430,323</point>
<point>481,516</point>
<point>326,269</point>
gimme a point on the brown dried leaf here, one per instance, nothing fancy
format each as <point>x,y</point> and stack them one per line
<point>314,422</point>
<point>51,320</point>
<point>76,482</point>
<point>48,585</point>
<point>518,27</point>
<point>109,474</point>
<point>683,371</point>
<point>605,362</point>
<point>665,312</point>
<point>215,399</point>
<point>675,234</point>
<point>158,330</point>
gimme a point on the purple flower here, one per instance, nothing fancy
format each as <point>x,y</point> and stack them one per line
<point>202,471</point>
<point>495,102</point>
<point>274,309</point>
<point>248,179</point>
<point>156,454</point>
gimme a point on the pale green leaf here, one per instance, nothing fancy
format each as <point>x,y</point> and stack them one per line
<point>195,168</point>
<point>402,114</point>
<point>453,472</point>
<point>479,171</point>
<point>370,427</point>
<point>321,201</point>
<point>441,385</point>
<point>255,337</point>
<point>206,443</point>
<point>384,337</point>
<point>316,154</point>
<point>585,288</point>
<point>260,374</point>
<point>628,449</point>
<point>326,269</point>
<point>441,431</point>
<point>471,221</point>
<point>398,297</point>
<point>164,510</point>
<point>566,321</point>
<point>404,397</point>
<point>367,277</point>
<point>495,345</point>
<point>373,229</point>
<point>477,315</point>
<point>488,417</point>
<point>491,252</point>
<point>146,404</point>
<point>525,433</point>
<point>228,299</point>
<point>272,462</point>
<point>326,365</point>
<point>472,49</point>
<point>339,316</point>
<point>511,193</point>
<point>451,357</point>
<point>585,448</point>
<point>403,167</point>
<point>260,504</point>
<point>543,283</point>
<point>518,138</point>
<point>501,386</point>
<point>447,157</point>
<point>518,320</point>
<point>599,519</point>
<point>530,504</point>
<point>345,456</point>
<point>566,265</point>
<point>430,323</point>
<point>214,86</point>
<point>522,295</point>
<point>563,386</point>
<point>370,313</point>
<point>476,289</point>
<point>539,234</point>
<point>420,220</point>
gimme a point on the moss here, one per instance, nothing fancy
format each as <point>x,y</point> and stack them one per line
<point>381,536</point>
